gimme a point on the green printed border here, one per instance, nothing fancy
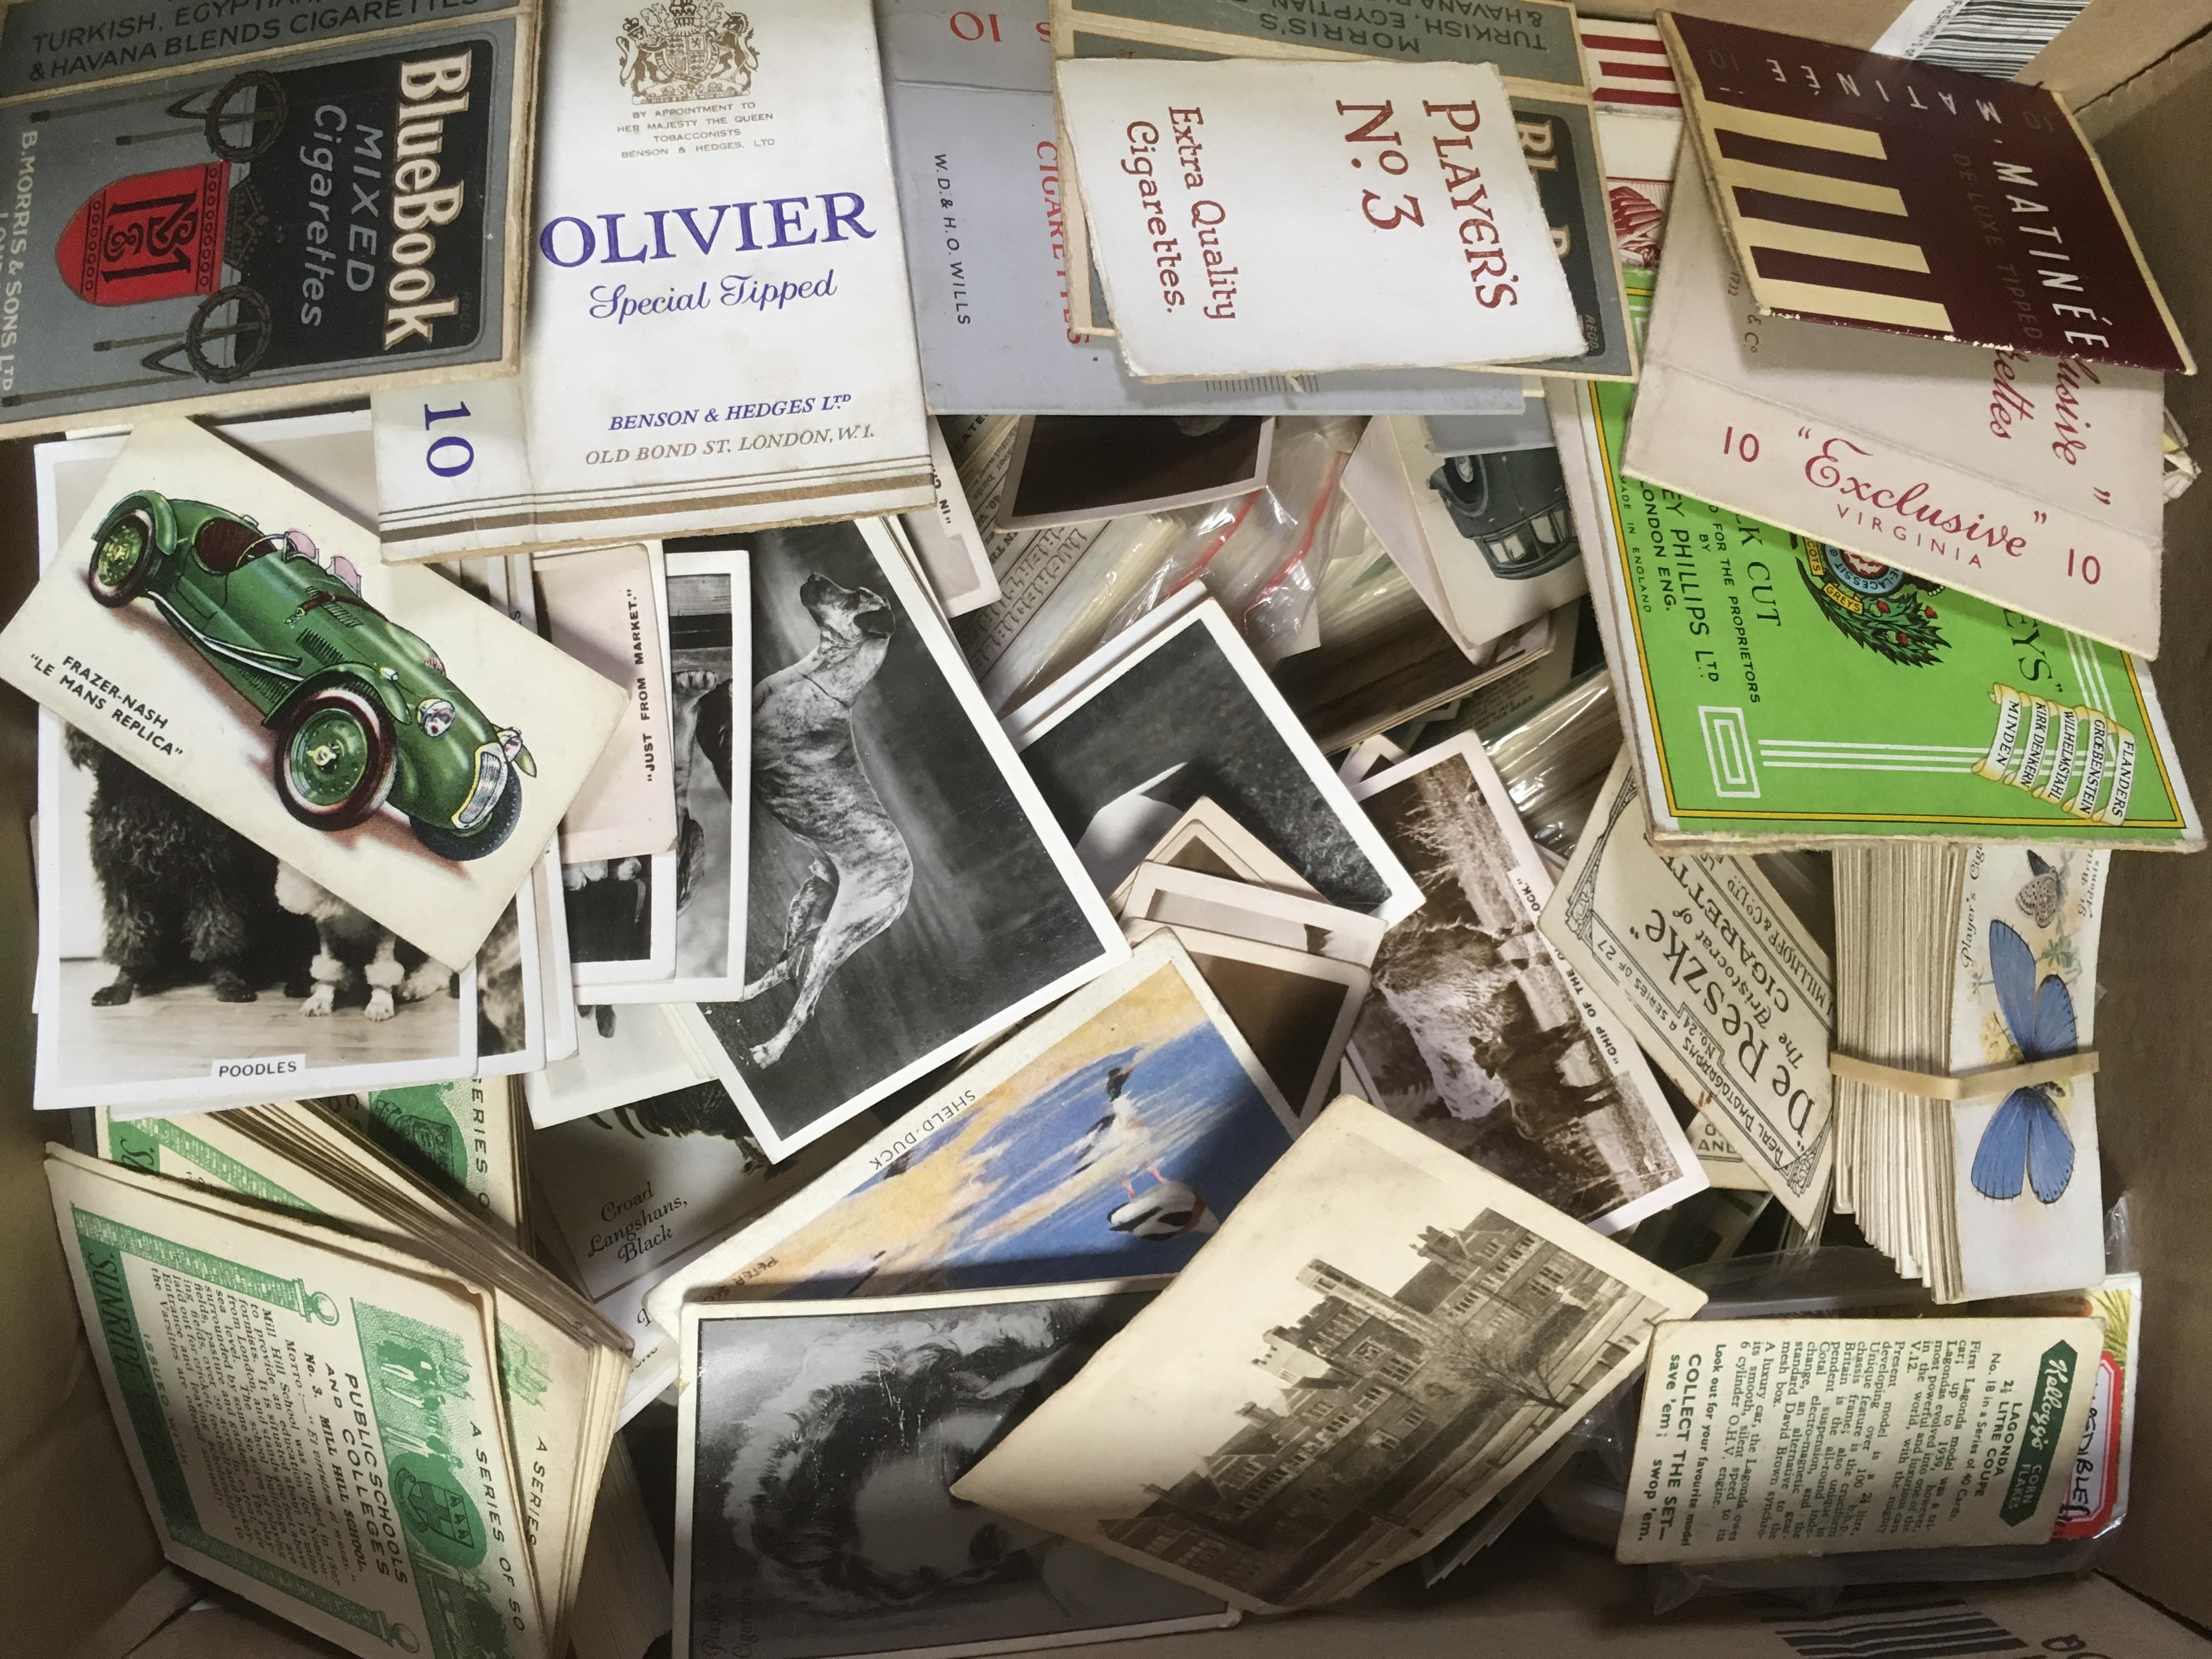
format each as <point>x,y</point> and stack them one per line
<point>102,1243</point>
<point>137,1145</point>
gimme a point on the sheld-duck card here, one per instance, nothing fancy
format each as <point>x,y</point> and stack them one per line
<point>240,642</point>
<point>1230,204</point>
<point>298,205</point>
<point>1880,192</point>
<point>719,335</point>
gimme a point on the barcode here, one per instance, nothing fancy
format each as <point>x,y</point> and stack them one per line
<point>1882,1624</point>
<point>1996,38</point>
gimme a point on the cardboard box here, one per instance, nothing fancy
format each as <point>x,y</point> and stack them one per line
<point>79,1555</point>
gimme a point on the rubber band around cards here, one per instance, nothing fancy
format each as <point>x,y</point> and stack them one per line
<point>1965,1086</point>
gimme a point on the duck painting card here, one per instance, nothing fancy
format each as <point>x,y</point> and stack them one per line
<point>1378,1341</point>
<point>707,617</point>
<point>816,1443</point>
<point>908,893</point>
<point>1295,1009</point>
<point>1108,1137</point>
<point>1479,1034</point>
<point>1192,712</point>
<point>244,644</point>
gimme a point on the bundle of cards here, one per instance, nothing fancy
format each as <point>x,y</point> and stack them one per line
<point>388,1358</point>
<point>1966,1019</point>
<point>464,1138</point>
<point>1290,969</point>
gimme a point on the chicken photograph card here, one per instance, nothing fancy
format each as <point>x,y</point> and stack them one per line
<point>380,729</point>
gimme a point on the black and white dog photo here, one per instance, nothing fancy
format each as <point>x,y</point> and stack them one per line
<point>185,963</point>
<point>907,895</point>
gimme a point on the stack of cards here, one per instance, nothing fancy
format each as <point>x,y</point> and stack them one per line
<point>353,1298</point>
<point>1290,970</point>
<point>464,1138</point>
<point>1966,1019</point>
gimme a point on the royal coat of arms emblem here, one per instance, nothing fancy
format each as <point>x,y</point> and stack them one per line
<point>687,51</point>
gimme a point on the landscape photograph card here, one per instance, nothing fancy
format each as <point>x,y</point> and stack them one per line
<point>190,969</point>
<point>1191,713</point>
<point>1375,1345</point>
<point>1211,183</point>
<point>1478,1035</point>
<point>185,242</point>
<point>1780,692</point>
<point>908,893</point>
<point>1877,192</point>
<point>2030,481</point>
<point>815,1442</point>
<point>213,1447</point>
<point>602,607</point>
<point>1109,1137</point>
<point>972,129</point>
<point>700,363</point>
<point>707,610</point>
<point>1294,1009</point>
<point>1536,53</point>
<point>1935,1434</point>
<point>1070,468</point>
<point>1717,980</point>
<point>254,653</point>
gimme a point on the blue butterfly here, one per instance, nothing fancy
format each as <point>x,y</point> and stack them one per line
<point>2028,1133</point>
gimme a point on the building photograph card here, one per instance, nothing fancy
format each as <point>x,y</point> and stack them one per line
<point>692,363</point>
<point>1109,1137</point>
<point>1190,713</point>
<point>816,1443</point>
<point>909,895</point>
<point>1461,1326</point>
<point>1211,184</point>
<point>1479,1036</point>
<point>242,643</point>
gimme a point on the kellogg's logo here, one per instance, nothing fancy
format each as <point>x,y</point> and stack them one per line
<point>687,51</point>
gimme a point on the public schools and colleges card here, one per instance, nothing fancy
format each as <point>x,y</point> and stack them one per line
<point>313,1425</point>
<point>224,208</point>
<point>1770,1437</point>
<point>719,335</point>
<point>1718,982</point>
<point>1230,204</point>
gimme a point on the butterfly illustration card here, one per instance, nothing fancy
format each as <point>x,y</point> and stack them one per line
<point>2026,1194</point>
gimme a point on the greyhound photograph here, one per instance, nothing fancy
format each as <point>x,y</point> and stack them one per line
<point>908,894</point>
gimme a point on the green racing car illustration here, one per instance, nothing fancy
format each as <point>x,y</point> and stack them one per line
<point>361,710</point>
